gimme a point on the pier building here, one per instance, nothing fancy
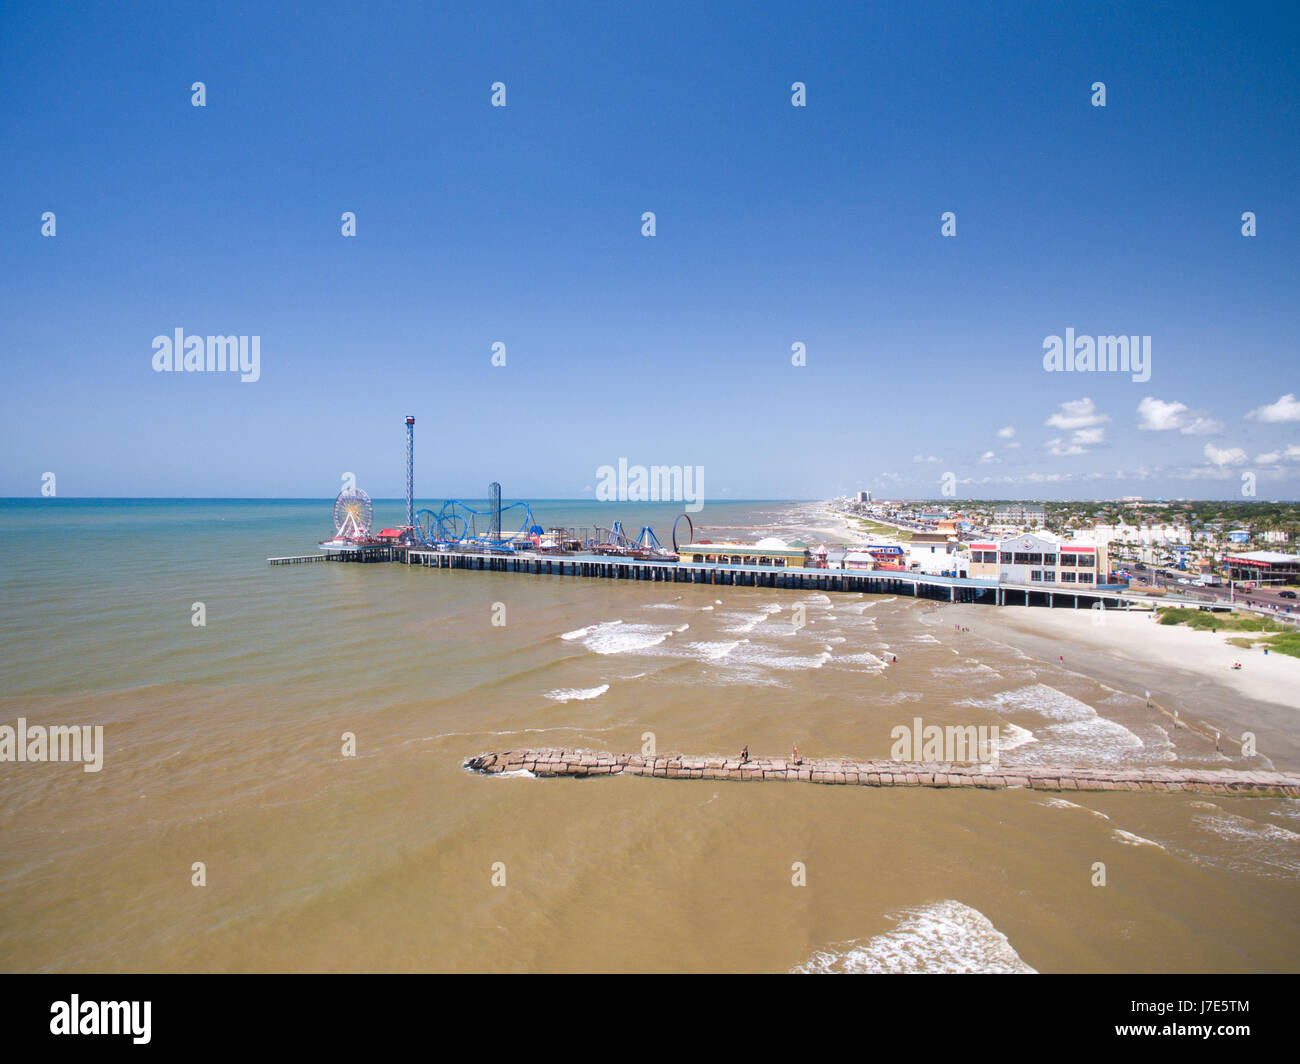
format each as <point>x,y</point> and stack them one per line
<point>1039,559</point>
<point>790,557</point>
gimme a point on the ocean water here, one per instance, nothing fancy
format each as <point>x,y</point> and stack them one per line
<point>224,746</point>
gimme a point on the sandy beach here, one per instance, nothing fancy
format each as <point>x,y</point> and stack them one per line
<point>835,527</point>
<point>1184,669</point>
<point>1138,637</point>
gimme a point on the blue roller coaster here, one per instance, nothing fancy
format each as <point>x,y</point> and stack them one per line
<point>459,524</point>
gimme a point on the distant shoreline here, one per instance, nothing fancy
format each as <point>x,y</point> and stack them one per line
<point>421,499</point>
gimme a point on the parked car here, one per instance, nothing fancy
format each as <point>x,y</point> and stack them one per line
<point>1286,594</point>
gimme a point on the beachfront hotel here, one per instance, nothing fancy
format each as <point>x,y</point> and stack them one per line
<point>1039,558</point>
<point>1020,513</point>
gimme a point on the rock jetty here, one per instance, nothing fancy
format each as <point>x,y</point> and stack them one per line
<point>557,762</point>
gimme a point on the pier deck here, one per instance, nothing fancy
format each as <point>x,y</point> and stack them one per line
<point>561,762</point>
<point>868,581</point>
<point>861,581</point>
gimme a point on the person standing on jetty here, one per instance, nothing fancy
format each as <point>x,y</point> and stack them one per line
<point>794,757</point>
<point>744,754</point>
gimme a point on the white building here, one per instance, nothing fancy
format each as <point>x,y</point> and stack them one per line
<point>1102,535</point>
<point>935,552</point>
<point>1040,558</point>
<point>1021,514</point>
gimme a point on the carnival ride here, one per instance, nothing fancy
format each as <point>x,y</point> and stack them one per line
<point>459,524</point>
<point>645,545</point>
<point>354,515</point>
<point>690,536</point>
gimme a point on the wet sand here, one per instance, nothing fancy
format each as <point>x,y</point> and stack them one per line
<point>1184,669</point>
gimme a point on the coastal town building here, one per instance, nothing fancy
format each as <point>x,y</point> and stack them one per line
<point>1039,558</point>
<point>876,556</point>
<point>932,551</point>
<point>1022,514</point>
<point>1152,535</point>
<point>1102,535</point>
<point>1263,566</point>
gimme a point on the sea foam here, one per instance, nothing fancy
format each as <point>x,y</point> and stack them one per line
<point>945,936</point>
<point>577,694</point>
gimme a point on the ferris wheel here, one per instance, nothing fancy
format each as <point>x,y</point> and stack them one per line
<point>353,514</point>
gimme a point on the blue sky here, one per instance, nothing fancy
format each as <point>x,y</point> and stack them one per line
<point>775,225</point>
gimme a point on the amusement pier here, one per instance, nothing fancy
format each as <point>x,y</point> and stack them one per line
<point>504,539</point>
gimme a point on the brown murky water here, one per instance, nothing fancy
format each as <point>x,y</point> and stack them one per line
<point>230,755</point>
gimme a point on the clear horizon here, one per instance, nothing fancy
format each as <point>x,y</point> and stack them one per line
<point>422,500</point>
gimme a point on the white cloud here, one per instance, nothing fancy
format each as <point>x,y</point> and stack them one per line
<point>1285,409</point>
<point>1011,446</point>
<point>1224,456</point>
<point>1077,414</point>
<point>988,456</point>
<point>1006,433</point>
<point>1156,415</point>
<point>1204,472</point>
<point>1060,448</point>
<point>1202,426</point>
<point>1080,416</point>
<point>1274,457</point>
<point>923,458</point>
